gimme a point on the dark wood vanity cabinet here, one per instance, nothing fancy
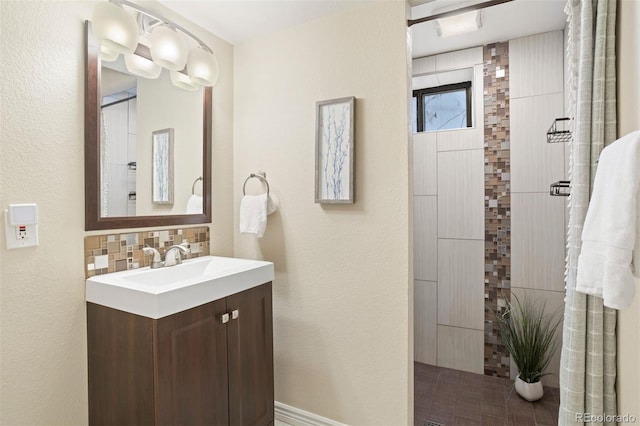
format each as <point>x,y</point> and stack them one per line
<point>195,367</point>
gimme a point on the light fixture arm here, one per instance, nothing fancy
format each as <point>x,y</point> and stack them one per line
<point>471,8</point>
<point>166,21</point>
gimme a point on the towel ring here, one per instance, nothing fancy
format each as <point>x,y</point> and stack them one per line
<point>260,175</point>
<point>193,187</point>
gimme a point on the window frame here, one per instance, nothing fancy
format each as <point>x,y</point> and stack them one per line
<point>419,94</point>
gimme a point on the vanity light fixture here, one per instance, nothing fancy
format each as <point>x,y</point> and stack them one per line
<point>140,63</point>
<point>202,67</point>
<point>142,66</point>
<point>168,48</point>
<point>459,24</point>
<point>114,28</point>
<point>107,54</point>
<point>164,44</point>
<point>183,81</point>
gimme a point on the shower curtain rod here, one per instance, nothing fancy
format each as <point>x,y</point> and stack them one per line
<point>119,101</point>
<point>471,8</point>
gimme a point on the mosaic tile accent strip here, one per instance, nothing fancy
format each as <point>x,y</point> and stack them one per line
<point>119,252</point>
<point>497,282</point>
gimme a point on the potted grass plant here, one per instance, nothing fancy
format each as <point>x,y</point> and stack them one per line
<point>528,334</point>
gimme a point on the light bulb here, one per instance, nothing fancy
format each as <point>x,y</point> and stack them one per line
<point>168,48</point>
<point>114,28</point>
<point>202,67</point>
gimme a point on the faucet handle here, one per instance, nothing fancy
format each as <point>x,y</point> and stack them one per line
<point>172,255</point>
<point>156,262</point>
<point>182,248</point>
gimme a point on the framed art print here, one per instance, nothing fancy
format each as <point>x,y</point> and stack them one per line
<point>335,151</point>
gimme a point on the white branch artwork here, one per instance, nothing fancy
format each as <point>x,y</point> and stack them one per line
<point>334,166</point>
<point>162,167</point>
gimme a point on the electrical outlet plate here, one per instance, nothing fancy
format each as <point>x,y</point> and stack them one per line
<point>17,237</point>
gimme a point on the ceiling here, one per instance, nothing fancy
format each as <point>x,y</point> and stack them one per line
<point>239,20</point>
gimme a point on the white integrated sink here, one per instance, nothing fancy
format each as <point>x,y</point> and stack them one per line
<point>156,293</point>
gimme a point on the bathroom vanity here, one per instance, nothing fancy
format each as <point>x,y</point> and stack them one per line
<point>210,364</point>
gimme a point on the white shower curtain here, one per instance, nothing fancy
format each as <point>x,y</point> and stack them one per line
<point>588,362</point>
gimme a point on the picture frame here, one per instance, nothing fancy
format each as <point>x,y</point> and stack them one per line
<point>335,151</point>
<point>162,166</point>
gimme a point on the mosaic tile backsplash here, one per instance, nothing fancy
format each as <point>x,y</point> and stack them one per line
<point>120,252</point>
<point>497,153</point>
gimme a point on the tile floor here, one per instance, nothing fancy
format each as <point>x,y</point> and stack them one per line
<point>451,397</point>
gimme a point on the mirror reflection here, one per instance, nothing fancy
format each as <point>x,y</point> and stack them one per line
<point>131,109</point>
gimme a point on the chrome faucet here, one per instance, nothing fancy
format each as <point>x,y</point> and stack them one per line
<point>171,257</point>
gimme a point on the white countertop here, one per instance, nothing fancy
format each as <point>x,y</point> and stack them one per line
<point>156,293</point>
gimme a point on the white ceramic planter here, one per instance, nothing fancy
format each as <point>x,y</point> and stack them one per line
<point>529,391</point>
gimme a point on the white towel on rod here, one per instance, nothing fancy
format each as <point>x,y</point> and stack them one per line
<point>194,205</point>
<point>609,233</point>
<point>253,214</point>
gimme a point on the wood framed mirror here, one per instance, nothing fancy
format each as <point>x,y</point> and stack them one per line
<point>94,217</point>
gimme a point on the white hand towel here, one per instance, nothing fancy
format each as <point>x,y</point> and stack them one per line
<point>253,214</point>
<point>609,233</point>
<point>194,205</point>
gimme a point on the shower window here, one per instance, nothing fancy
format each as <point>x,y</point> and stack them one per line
<point>442,108</point>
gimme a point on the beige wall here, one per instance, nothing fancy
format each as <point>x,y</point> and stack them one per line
<point>629,120</point>
<point>43,363</point>
<point>341,291</point>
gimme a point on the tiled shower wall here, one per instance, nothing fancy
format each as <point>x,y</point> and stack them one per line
<point>449,206</point>
<point>449,230</point>
<point>120,252</point>
<point>538,220</point>
<point>497,191</point>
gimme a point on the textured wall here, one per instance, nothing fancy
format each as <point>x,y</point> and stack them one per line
<point>42,319</point>
<point>43,371</point>
<point>341,291</point>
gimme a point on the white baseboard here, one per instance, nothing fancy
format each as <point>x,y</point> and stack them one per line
<point>297,417</point>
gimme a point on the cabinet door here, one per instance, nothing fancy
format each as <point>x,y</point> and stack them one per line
<point>191,367</point>
<point>250,341</point>
<point>120,361</point>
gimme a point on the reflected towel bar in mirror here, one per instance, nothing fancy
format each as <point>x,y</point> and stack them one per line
<point>193,187</point>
